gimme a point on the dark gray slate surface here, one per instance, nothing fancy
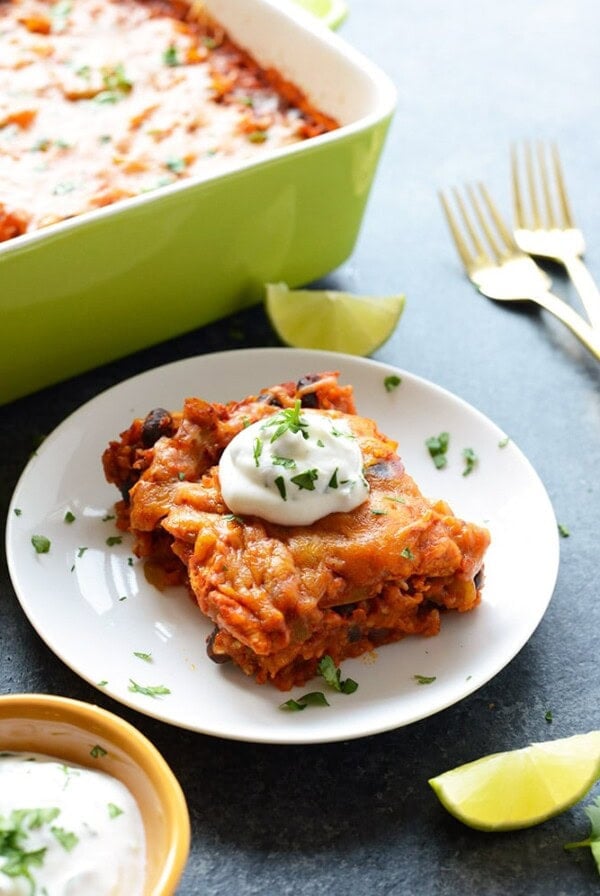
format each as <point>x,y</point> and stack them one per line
<point>358,817</point>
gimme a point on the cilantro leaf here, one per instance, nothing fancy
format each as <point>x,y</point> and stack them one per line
<point>437,447</point>
<point>313,698</point>
<point>155,690</point>
<point>470,459</point>
<point>288,420</point>
<point>306,480</point>
<point>391,382</point>
<point>332,675</point>
<point>593,841</point>
<point>67,839</point>
<point>40,543</point>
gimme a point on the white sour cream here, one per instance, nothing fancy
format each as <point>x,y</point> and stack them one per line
<point>85,823</point>
<point>293,468</point>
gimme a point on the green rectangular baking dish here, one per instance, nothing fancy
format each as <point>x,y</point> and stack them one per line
<point>97,287</point>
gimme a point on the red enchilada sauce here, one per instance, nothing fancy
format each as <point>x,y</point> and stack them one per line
<point>101,100</point>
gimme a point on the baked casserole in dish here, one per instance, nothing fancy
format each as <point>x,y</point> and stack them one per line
<point>151,186</point>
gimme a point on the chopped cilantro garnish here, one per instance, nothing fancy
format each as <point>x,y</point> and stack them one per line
<point>332,675</point>
<point>288,420</point>
<point>333,482</point>
<point>97,752</point>
<point>593,841</point>
<point>116,79</point>
<point>171,56</point>
<point>306,480</point>
<point>103,683</point>
<point>504,442</point>
<point>114,811</point>
<point>67,839</point>
<point>280,483</point>
<point>563,531</point>
<point>156,690</point>
<point>18,511</point>
<point>470,459</point>
<point>40,543</point>
<point>114,539</point>
<point>424,679</point>
<point>81,552</point>
<point>548,715</point>
<point>107,517</point>
<point>391,382</point>
<point>147,657</point>
<point>437,447</point>
<point>257,451</point>
<point>407,554</point>
<point>288,462</point>
<point>69,517</point>
<point>313,698</point>
<point>18,861</point>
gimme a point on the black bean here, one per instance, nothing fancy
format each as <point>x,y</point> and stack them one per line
<point>215,657</point>
<point>387,469</point>
<point>157,423</point>
<point>270,399</point>
<point>309,399</point>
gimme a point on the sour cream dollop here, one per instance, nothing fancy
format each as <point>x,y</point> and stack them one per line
<point>80,827</point>
<point>293,468</point>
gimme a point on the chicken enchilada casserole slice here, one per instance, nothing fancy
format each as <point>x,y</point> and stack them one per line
<point>378,560</point>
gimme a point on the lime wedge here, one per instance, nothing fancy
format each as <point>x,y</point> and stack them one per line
<point>331,12</point>
<point>520,788</point>
<point>330,320</point>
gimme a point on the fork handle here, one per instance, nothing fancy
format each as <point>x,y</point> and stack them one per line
<point>576,324</point>
<point>586,287</point>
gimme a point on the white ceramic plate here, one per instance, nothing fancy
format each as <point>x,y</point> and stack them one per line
<point>91,604</point>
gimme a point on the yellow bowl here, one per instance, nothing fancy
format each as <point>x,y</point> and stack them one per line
<point>69,729</point>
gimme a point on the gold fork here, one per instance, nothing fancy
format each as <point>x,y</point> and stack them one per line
<point>544,226</point>
<point>500,270</point>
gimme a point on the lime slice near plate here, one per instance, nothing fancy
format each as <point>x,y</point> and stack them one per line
<point>332,321</point>
<point>521,788</point>
<point>331,12</point>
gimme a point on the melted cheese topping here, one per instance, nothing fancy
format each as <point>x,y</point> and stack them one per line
<point>105,99</point>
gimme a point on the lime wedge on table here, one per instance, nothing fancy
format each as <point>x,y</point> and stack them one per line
<point>331,12</point>
<point>330,320</point>
<point>520,788</point>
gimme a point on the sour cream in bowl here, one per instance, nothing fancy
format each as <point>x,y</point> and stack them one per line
<point>87,804</point>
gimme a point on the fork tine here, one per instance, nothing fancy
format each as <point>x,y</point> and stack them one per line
<point>519,208</point>
<point>550,218</point>
<point>490,235</point>
<point>459,241</point>
<point>480,249</point>
<point>567,218</point>
<point>535,210</point>
<point>497,218</point>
